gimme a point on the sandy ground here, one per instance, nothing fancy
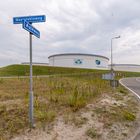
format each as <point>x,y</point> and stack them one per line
<point>62,130</point>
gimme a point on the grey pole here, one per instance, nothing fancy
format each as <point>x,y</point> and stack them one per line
<point>31,119</point>
<point>111,58</point>
<point>112,71</point>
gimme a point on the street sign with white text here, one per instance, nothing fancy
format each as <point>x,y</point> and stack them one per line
<point>26,22</point>
<point>27,26</point>
<point>108,76</point>
<point>30,19</point>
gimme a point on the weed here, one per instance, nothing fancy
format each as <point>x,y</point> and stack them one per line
<point>76,100</point>
<point>79,121</point>
<point>1,81</point>
<point>92,133</point>
<point>118,96</point>
<point>124,134</point>
<point>122,90</point>
<point>2,109</point>
<point>76,120</point>
<point>99,110</point>
<point>129,116</point>
<point>45,117</point>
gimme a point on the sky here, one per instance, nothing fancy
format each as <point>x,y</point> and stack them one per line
<point>72,26</point>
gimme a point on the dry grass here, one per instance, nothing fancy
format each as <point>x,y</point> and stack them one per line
<point>53,96</point>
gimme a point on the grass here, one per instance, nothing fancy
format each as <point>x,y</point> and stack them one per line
<point>92,133</point>
<point>53,96</point>
<point>23,70</point>
<point>76,119</point>
<point>122,90</point>
<point>116,113</point>
<point>129,116</point>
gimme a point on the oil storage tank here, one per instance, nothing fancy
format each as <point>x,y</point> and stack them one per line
<point>79,60</point>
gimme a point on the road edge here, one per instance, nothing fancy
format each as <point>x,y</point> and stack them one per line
<point>120,81</point>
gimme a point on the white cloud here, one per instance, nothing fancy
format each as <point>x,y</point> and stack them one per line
<point>84,26</point>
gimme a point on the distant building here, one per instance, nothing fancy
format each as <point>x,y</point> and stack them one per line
<point>126,67</point>
<point>35,63</point>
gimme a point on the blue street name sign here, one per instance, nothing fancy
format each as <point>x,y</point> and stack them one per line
<point>30,19</point>
<point>27,26</point>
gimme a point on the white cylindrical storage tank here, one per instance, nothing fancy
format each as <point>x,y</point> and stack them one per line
<point>78,60</point>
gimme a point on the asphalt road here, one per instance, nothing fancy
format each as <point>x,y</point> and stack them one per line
<point>133,84</point>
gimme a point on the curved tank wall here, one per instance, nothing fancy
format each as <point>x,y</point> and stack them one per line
<point>76,60</point>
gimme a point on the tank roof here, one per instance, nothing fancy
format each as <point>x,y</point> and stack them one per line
<point>78,54</point>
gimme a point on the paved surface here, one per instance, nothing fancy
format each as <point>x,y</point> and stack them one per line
<point>134,85</point>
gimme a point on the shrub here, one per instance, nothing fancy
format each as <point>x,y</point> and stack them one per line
<point>76,100</point>
<point>92,133</point>
<point>129,116</point>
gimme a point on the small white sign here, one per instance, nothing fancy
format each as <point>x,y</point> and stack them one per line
<point>108,76</point>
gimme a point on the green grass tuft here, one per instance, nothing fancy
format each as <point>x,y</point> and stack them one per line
<point>92,133</point>
<point>129,116</point>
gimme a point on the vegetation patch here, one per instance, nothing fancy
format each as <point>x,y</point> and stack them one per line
<point>92,133</point>
<point>129,116</point>
<point>23,70</point>
<point>56,96</point>
<point>52,96</point>
<point>76,119</point>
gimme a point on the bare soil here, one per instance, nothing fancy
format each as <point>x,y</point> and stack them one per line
<point>90,123</point>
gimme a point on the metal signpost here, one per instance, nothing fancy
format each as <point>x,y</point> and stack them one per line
<point>27,25</point>
<point>109,76</point>
<point>114,83</point>
<point>111,69</point>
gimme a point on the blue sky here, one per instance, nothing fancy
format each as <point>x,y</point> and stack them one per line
<point>72,26</point>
